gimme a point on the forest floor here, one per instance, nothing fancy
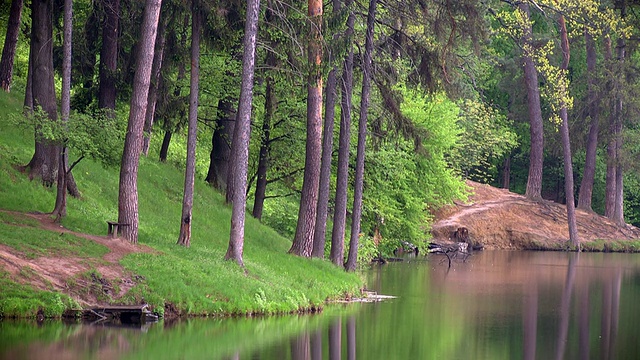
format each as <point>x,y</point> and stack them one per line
<point>54,272</point>
<point>498,219</point>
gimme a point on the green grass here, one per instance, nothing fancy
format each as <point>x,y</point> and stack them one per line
<point>196,280</point>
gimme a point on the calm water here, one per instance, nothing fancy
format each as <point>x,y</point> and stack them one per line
<point>496,305</point>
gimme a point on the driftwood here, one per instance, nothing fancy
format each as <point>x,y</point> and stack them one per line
<point>452,252</point>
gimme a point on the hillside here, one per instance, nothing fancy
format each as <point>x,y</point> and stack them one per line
<point>499,219</point>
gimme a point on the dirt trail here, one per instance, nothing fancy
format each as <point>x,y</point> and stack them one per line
<point>64,274</point>
<point>499,219</point>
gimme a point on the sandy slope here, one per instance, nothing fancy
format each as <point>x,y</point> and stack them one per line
<point>499,219</point>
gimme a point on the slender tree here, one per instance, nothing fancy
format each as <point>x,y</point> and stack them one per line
<point>303,240</point>
<point>319,236</point>
<point>536,155</point>
<point>10,44</point>
<point>358,187</point>
<point>153,88</point>
<point>566,142</point>
<point>270,105</point>
<point>241,136</point>
<point>190,171</point>
<point>60,209</point>
<point>128,192</point>
<point>593,106</point>
<point>342,175</point>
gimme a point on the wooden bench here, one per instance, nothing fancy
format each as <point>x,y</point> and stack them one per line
<point>114,227</point>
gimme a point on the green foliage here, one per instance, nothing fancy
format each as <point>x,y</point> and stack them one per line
<point>197,280</point>
<point>485,139</point>
<point>403,183</point>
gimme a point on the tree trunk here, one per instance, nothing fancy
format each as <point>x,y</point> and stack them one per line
<point>60,208</point>
<point>109,55</point>
<point>190,172</point>
<point>566,142</point>
<point>610,181</point>
<point>362,137</point>
<point>319,236</point>
<point>506,173</point>
<point>164,149</point>
<point>44,163</point>
<point>618,214</point>
<point>241,136</point>
<point>270,105</point>
<point>534,181</point>
<point>128,193</point>
<point>303,240</point>
<point>588,176</point>
<point>218,173</point>
<point>10,44</point>
<point>153,88</point>
<point>342,176</point>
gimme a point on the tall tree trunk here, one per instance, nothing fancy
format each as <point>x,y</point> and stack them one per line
<point>218,174</point>
<point>534,180</point>
<point>566,142</point>
<point>109,55</point>
<point>610,180</point>
<point>44,163</point>
<point>618,214</point>
<point>303,240</point>
<point>10,44</point>
<point>241,136</point>
<point>319,236</point>
<point>588,176</point>
<point>153,88</point>
<point>190,172</point>
<point>128,193</point>
<point>60,209</point>
<point>342,174</point>
<point>270,105</point>
<point>362,137</point>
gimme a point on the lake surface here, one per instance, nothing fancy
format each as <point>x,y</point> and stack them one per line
<point>494,305</point>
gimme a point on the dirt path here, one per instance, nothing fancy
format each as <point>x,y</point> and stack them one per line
<point>69,274</point>
<point>496,218</point>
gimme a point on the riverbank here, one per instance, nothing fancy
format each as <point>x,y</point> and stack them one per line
<point>48,268</point>
<point>498,219</point>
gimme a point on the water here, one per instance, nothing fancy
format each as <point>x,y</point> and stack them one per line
<point>495,305</point>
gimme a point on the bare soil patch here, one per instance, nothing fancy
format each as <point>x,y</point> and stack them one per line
<point>71,275</point>
<point>499,219</point>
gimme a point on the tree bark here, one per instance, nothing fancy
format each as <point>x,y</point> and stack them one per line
<point>588,175</point>
<point>241,137</point>
<point>10,44</point>
<point>218,174</point>
<point>190,171</point>
<point>164,149</point>
<point>506,173</point>
<point>536,155</point>
<point>566,142</point>
<point>109,55</point>
<point>153,88</point>
<point>610,181</point>
<point>303,240</point>
<point>60,208</point>
<point>342,175</point>
<point>270,105</point>
<point>618,214</point>
<point>128,193</point>
<point>362,137</point>
<point>44,163</point>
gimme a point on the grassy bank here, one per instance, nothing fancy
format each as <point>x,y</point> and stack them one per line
<point>195,280</point>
